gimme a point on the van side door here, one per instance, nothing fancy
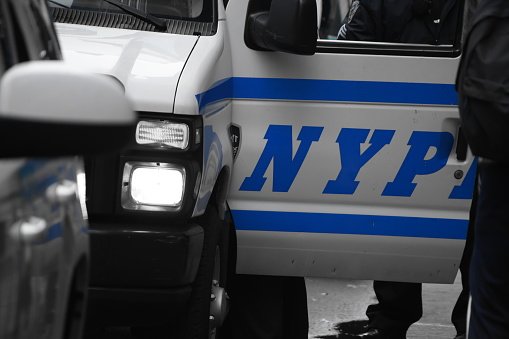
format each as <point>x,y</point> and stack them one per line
<point>351,162</point>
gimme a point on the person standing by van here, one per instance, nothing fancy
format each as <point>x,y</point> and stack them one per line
<point>267,307</point>
<point>483,93</point>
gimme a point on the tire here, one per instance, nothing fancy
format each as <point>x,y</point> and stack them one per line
<point>210,279</point>
<point>209,282</point>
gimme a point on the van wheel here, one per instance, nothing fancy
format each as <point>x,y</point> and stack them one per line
<point>209,301</point>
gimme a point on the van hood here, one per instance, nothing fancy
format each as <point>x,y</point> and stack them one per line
<point>148,64</point>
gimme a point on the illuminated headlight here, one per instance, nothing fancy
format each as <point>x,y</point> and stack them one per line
<point>153,186</point>
<point>162,133</point>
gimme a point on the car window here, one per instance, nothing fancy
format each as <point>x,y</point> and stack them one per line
<point>184,9</point>
<point>41,25</point>
<point>8,55</point>
<point>185,17</point>
<point>29,36</point>
<point>331,14</point>
<point>391,26</point>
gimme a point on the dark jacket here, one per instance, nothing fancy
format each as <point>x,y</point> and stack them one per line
<point>398,21</point>
<point>483,81</point>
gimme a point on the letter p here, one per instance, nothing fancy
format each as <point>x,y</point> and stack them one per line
<point>416,164</point>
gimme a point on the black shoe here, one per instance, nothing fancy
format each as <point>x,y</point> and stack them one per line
<point>352,327</point>
<point>375,333</point>
<point>460,336</point>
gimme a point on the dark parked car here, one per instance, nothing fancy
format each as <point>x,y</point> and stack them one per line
<point>49,113</point>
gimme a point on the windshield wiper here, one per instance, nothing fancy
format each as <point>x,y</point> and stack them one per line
<point>151,19</point>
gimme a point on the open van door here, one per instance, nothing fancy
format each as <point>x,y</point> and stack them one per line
<point>351,163</point>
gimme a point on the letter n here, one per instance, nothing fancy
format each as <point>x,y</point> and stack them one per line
<point>279,151</point>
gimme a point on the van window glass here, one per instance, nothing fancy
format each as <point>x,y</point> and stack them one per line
<point>180,9</point>
<point>413,22</point>
<point>42,33</point>
<point>331,13</point>
<point>6,49</point>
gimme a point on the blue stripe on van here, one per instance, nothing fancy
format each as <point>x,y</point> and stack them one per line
<point>350,224</point>
<point>54,232</point>
<point>330,90</point>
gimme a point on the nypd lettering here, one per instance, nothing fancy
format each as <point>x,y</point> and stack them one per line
<point>417,162</point>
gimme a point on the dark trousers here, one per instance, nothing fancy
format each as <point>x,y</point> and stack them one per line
<point>267,307</point>
<point>459,312</point>
<point>489,271</point>
<point>400,304</point>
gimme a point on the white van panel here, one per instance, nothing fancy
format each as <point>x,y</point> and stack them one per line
<point>342,256</point>
<point>148,64</point>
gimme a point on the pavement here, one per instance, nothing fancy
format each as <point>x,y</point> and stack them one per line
<point>332,302</point>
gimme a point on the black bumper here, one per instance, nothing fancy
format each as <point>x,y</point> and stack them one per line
<point>135,306</point>
<point>144,257</point>
<point>136,268</point>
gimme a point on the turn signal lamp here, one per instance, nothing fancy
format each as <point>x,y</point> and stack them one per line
<point>162,133</point>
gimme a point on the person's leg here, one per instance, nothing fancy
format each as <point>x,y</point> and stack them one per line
<point>295,308</point>
<point>267,307</point>
<point>459,313</point>
<point>399,306</point>
<point>256,309</point>
<point>489,275</point>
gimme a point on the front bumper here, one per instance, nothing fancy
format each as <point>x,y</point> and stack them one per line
<point>137,256</point>
<point>141,275</point>
<point>135,306</point>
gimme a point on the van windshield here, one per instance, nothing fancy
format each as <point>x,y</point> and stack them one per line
<point>166,9</point>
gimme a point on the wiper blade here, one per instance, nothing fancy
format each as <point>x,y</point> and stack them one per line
<point>151,19</point>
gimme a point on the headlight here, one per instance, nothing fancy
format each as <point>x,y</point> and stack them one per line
<point>153,186</point>
<point>162,133</point>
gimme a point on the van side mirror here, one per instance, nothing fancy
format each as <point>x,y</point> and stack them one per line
<point>288,26</point>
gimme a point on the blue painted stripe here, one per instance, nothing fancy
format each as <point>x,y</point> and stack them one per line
<point>350,224</point>
<point>222,90</point>
<point>330,90</point>
<point>54,232</point>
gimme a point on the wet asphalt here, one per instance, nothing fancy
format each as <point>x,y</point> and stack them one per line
<point>335,303</point>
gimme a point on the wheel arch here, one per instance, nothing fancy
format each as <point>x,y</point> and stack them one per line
<point>220,192</point>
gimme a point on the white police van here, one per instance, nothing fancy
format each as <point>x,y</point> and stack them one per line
<point>341,159</point>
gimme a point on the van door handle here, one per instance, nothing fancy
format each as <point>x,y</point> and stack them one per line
<point>461,146</point>
<point>62,192</point>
